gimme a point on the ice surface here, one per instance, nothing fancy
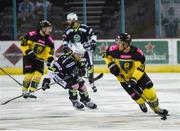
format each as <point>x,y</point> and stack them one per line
<point>116,110</point>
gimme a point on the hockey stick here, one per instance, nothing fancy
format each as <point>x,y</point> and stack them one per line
<point>20,96</point>
<point>97,77</point>
<point>94,79</point>
<point>163,117</point>
<point>10,76</point>
<point>16,97</point>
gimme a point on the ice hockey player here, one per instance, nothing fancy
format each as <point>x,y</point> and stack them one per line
<point>77,32</point>
<point>37,47</point>
<point>67,71</point>
<point>127,63</point>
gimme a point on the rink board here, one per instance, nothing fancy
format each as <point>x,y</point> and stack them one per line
<point>104,69</point>
<point>162,55</point>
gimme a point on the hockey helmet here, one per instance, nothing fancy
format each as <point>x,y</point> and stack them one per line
<point>72,16</point>
<point>44,23</point>
<point>77,49</point>
<point>125,37</point>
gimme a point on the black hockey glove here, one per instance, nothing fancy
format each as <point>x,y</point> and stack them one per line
<point>132,83</point>
<point>93,45</point>
<point>66,48</point>
<point>30,54</point>
<point>82,72</point>
<point>46,84</point>
<point>114,69</point>
<point>49,60</point>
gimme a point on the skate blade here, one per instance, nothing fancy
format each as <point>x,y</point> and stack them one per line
<point>91,108</point>
<point>79,109</point>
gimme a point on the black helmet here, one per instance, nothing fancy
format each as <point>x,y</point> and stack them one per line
<point>124,37</point>
<point>44,23</point>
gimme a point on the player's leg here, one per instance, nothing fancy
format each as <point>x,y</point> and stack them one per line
<point>150,94</point>
<point>28,75</point>
<point>85,96</point>
<point>90,70</point>
<point>37,75</point>
<point>73,87</point>
<point>135,96</point>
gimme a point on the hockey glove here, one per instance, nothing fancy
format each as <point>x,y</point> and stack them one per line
<point>93,45</point>
<point>30,54</point>
<point>49,61</point>
<point>46,84</point>
<point>132,83</point>
<point>66,48</point>
<point>82,72</point>
<point>114,69</point>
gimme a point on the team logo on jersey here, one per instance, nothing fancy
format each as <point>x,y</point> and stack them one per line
<point>77,38</point>
<point>126,65</point>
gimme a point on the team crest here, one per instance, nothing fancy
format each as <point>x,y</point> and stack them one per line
<point>77,38</point>
<point>126,65</point>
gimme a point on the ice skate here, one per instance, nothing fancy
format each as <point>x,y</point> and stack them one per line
<point>94,88</point>
<point>76,104</point>
<point>161,111</point>
<point>31,95</point>
<point>25,94</point>
<point>89,104</point>
<point>143,107</point>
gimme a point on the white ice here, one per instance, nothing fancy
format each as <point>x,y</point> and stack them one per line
<point>116,110</point>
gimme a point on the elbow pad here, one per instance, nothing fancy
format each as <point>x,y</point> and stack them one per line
<point>114,69</point>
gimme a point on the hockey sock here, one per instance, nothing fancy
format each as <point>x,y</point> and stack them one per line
<point>73,94</point>
<point>84,96</point>
<point>26,81</point>
<point>35,81</point>
<point>140,101</point>
<point>150,95</point>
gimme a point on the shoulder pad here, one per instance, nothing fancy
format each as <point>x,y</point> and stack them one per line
<point>84,25</point>
<point>32,33</point>
<point>113,47</point>
<point>50,39</point>
<point>140,52</point>
<point>68,30</point>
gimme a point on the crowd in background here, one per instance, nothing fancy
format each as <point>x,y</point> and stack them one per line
<point>140,17</point>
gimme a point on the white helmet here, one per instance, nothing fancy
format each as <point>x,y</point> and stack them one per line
<point>77,48</point>
<point>72,16</point>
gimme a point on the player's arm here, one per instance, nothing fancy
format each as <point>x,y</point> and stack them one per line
<point>66,39</point>
<point>26,44</point>
<point>109,60</point>
<point>139,64</point>
<point>93,38</point>
<point>139,68</point>
<point>48,53</point>
<point>113,67</point>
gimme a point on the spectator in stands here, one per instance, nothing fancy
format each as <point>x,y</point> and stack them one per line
<point>26,10</point>
<point>39,7</point>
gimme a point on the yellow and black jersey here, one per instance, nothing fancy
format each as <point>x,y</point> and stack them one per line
<point>43,46</point>
<point>130,64</point>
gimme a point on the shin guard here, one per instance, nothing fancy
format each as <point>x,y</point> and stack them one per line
<point>27,81</point>
<point>35,82</point>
